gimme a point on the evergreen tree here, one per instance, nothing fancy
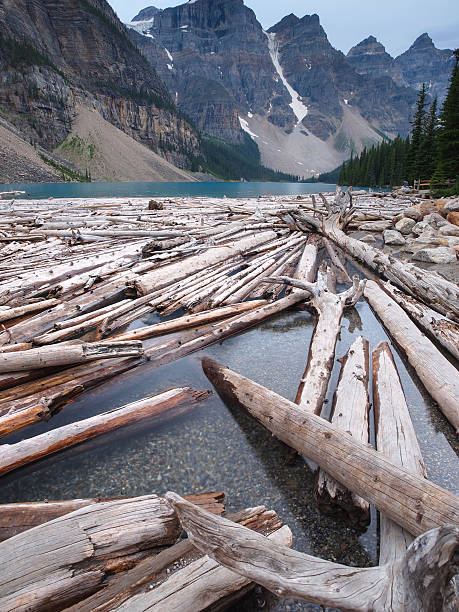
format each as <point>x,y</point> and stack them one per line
<point>417,131</point>
<point>428,153</point>
<point>448,140</point>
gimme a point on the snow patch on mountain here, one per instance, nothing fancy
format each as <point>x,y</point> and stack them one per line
<point>297,106</point>
<point>245,127</point>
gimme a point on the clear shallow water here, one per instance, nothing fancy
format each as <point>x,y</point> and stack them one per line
<point>132,190</point>
<point>218,447</point>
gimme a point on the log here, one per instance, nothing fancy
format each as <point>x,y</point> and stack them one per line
<point>209,582</point>
<point>350,413</point>
<point>429,287</point>
<point>20,311</point>
<point>431,560</point>
<point>186,321</point>
<point>435,325</point>
<point>60,562</point>
<point>18,517</point>
<point>156,409</point>
<point>413,502</point>
<point>174,272</point>
<point>438,375</point>
<point>55,356</point>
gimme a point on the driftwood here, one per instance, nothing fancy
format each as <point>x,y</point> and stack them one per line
<point>439,376</point>
<point>156,408</point>
<point>179,578</point>
<point>20,311</point>
<point>64,560</point>
<point>429,287</point>
<point>413,502</point>
<point>18,517</point>
<point>55,356</point>
<point>431,560</point>
<point>350,413</point>
<point>435,325</point>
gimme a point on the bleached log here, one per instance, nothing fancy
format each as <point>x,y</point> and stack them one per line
<point>38,567</point>
<point>156,409</point>
<point>175,272</point>
<point>187,321</point>
<point>435,325</point>
<point>438,375</point>
<point>56,356</point>
<point>20,311</point>
<point>350,413</point>
<point>431,560</point>
<point>413,502</point>
<point>18,517</point>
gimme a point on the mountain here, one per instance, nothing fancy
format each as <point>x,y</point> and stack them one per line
<point>57,58</point>
<point>424,63</point>
<point>306,104</point>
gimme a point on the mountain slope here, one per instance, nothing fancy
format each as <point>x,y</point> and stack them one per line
<point>58,56</point>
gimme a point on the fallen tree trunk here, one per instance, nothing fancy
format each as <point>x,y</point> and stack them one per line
<point>413,502</point>
<point>19,517</point>
<point>350,413</point>
<point>431,560</point>
<point>20,311</point>
<point>156,408</point>
<point>62,355</point>
<point>439,376</point>
<point>60,562</point>
<point>435,325</point>
<point>174,272</point>
<point>194,585</point>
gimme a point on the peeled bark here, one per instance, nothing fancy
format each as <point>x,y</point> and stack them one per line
<point>439,376</point>
<point>20,311</point>
<point>413,502</point>
<point>431,560</point>
<point>156,408</point>
<point>55,356</point>
<point>350,413</point>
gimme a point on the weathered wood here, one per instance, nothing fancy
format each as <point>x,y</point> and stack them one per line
<point>54,356</point>
<point>435,325</point>
<point>174,272</point>
<point>18,517</point>
<point>20,311</point>
<point>156,408</point>
<point>413,502</point>
<point>431,560</point>
<point>64,560</point>
<point>439,376</point>
<point>350,413</point>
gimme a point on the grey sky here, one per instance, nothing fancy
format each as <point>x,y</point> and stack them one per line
<point>396,23</point>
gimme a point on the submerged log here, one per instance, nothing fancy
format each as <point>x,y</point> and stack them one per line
<point>435,325</point>
<point>156,408</point>
<point>60,562</point>
<point>68,354</point>
<point>413,502</point>
<point>439,376</point>
<point>431,560</point>
<point>18,517</point>
<point>350,413</point>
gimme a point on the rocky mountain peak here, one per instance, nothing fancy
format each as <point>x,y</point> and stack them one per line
<point>368,45</point>
<point>423,42</point>
<point>147,13</point>
<point>369,57</point>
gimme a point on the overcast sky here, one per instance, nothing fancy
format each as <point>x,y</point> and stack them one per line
<point>395,23</point>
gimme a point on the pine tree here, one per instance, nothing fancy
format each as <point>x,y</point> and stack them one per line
<point>448,141</point>
<point>416,134</point>
<point>427,156</point>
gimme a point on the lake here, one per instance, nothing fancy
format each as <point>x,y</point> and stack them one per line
<point>132,190</point>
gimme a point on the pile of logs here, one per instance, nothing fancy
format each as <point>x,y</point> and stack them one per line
<point>76,275</point>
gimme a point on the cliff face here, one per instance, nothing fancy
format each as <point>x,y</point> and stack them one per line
<point>58,56</point>
<point>424,63</point>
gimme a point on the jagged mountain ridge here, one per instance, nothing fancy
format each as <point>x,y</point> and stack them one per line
<point>58,57</point>
<point>304,102</point>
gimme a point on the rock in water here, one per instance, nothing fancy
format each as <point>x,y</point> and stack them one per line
<point>393,238</point>
<point>405,225</point>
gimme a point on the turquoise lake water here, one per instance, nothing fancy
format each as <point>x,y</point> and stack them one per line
<point>132,190</point>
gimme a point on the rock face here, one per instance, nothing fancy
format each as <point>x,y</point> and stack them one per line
<point>289,88</point>
<point>424,63</point>
<point>58,56</point>
<point>147,13</point>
